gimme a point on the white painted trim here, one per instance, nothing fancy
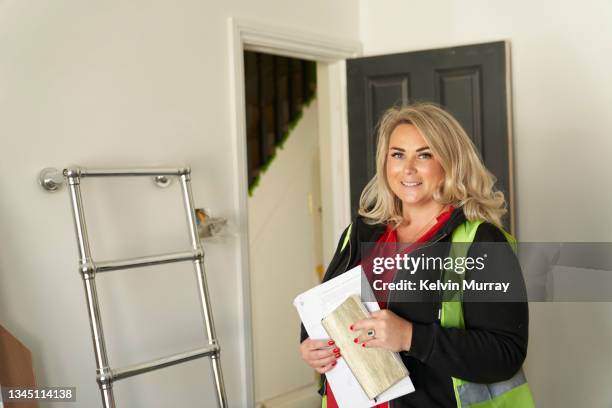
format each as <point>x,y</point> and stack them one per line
<point>250,35</point>
<point>303,397</point>
<point>509,110</point>
<point>256,36</point>
<point>237,111</point>
<point>334,153</point>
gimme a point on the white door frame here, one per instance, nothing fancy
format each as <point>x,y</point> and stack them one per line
<point>330,54</point>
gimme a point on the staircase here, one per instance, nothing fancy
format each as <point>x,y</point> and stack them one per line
<point>277,90</point>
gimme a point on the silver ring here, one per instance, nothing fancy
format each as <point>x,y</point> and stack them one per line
<point>371,333</point>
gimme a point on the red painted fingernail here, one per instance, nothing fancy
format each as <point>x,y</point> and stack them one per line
<point>331,342</point>
<point>356,340</point>
<point>351,328</point>
<point>338,355</point>
<point>334,364</point>
<point>362,344</point>
<point>336,350</point>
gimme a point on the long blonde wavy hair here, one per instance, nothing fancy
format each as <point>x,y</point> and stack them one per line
<point>467,183</point>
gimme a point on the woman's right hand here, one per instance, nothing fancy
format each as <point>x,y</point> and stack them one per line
<point>321,355</point>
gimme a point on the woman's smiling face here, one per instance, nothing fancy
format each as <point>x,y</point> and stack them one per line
<point>412,171</point>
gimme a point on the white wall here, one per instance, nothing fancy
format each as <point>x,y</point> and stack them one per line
<point>115,84</point>
<point>562,91</point>
<point>283,214</point>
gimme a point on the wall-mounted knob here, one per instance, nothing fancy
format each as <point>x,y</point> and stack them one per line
<point>51,179</point>
<point>162,181</point>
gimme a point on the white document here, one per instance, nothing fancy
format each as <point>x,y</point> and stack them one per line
<point>318,302</point>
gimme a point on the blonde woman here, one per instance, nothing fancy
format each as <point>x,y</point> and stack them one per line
<point>429,184</point>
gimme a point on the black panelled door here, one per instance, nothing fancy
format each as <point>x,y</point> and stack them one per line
<point>470,81</point>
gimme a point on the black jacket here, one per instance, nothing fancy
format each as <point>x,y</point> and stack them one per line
<point>491,348</point>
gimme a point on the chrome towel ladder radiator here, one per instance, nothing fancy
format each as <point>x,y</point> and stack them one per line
<point>106,375</point>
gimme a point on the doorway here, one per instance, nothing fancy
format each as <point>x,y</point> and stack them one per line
<point>284,214</point>
<point>330,158</point>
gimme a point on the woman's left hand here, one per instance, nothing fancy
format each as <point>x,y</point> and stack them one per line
<point>391,332</point>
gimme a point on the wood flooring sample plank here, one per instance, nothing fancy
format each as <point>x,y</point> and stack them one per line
<point>376,369</point>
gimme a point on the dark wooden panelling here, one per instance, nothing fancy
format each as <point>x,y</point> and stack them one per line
<point>297,88</point>
<point>267,105</point>
<point>282,92</point>
<point>251,74</point>
<point>459,90</point>
<point>470,81</point>
<point>382,92</point>
<point>310,79</point>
